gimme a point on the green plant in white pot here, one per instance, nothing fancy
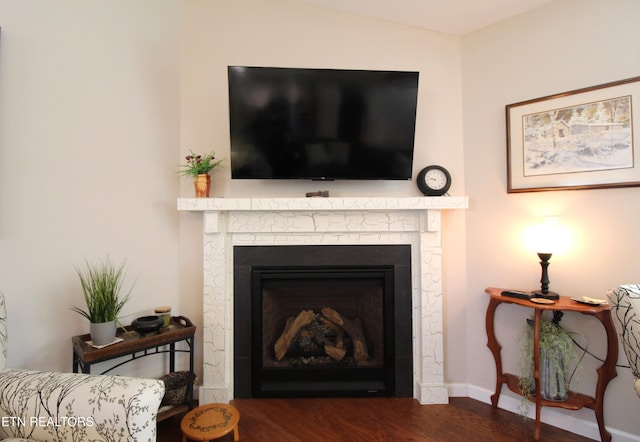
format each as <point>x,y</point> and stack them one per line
<point>102,285</point>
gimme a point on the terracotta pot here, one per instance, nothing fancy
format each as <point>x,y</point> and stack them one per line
<point>202,185</point>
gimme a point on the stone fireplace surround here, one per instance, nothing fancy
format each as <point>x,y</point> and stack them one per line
<point>416,221</point>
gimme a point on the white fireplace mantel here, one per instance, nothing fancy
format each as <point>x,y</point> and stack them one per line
<point>230,222</point>
<point>306,204</point>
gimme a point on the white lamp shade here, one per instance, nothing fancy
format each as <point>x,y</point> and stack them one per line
<point>548,237</point>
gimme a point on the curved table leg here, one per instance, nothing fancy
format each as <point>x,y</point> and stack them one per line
<point>495,348</point>
<point>606,371</point>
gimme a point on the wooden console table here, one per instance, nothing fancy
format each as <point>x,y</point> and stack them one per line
<point>575,401</point>
<point>137,346</point>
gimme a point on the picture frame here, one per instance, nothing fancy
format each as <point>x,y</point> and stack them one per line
<point>582,139</point>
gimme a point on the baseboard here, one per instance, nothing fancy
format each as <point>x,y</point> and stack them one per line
<point>550,416</point>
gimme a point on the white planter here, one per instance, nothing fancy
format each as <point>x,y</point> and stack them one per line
<point>102,333</point>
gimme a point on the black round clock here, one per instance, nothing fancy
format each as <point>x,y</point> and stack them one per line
<point>434,181</point>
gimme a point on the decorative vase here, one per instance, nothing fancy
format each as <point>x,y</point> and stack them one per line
<point>202,184</point>
<point>147,324</point>
<point>165,313</point>
<point>102,333</point>
<point>553,385</point>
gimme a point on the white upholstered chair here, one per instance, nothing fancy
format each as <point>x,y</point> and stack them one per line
<point>54,407</point>
<point>625,310</point>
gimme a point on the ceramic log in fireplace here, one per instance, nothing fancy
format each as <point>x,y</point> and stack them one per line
<point>322,321</point>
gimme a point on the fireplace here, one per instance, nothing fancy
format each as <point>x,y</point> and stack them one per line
<point>232,222</point>
<point>322,321</point>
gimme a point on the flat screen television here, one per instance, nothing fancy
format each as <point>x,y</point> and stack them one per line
<point>321,124</point>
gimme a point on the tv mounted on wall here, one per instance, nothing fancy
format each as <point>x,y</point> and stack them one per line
<point>321,124</point>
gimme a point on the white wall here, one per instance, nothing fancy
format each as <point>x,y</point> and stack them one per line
<point>283,33</point>
<point>89,135</point>
<point>288,34</point>
<point>563,46</point>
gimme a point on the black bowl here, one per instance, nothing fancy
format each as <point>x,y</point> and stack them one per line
<point>147,324</point>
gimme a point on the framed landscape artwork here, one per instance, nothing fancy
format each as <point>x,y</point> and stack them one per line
<point>582,139</point>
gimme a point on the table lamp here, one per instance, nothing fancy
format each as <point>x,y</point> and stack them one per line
<point>546,239</point>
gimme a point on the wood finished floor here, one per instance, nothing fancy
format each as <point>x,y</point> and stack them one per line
<point>374,419</point>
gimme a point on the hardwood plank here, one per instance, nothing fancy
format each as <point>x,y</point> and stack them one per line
<point>374,419</point>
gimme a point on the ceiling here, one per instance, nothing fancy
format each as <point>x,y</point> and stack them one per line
<point>454,17</point>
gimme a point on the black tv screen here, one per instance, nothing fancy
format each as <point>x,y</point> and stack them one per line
<point>322,124</point>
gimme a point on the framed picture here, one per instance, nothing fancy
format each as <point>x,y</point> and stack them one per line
<point>582,139</point>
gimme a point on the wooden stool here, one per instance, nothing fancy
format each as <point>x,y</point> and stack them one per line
<point>209,422</point>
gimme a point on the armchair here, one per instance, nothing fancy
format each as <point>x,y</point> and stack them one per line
<point>625,310</point>
<point>49,406</point>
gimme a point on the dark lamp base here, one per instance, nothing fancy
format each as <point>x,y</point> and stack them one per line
<point>548,295</point>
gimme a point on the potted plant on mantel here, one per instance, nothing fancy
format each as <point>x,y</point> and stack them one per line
<point>101,286</point>
<point>199,167</point>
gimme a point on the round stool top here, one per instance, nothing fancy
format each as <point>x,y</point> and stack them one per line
<point>210,421</point>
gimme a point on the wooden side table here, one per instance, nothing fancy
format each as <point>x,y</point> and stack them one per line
<point>575,401</point>
<point>137,346</point>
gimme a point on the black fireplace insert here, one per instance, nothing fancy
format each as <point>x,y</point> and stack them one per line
<point>322,321</point>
